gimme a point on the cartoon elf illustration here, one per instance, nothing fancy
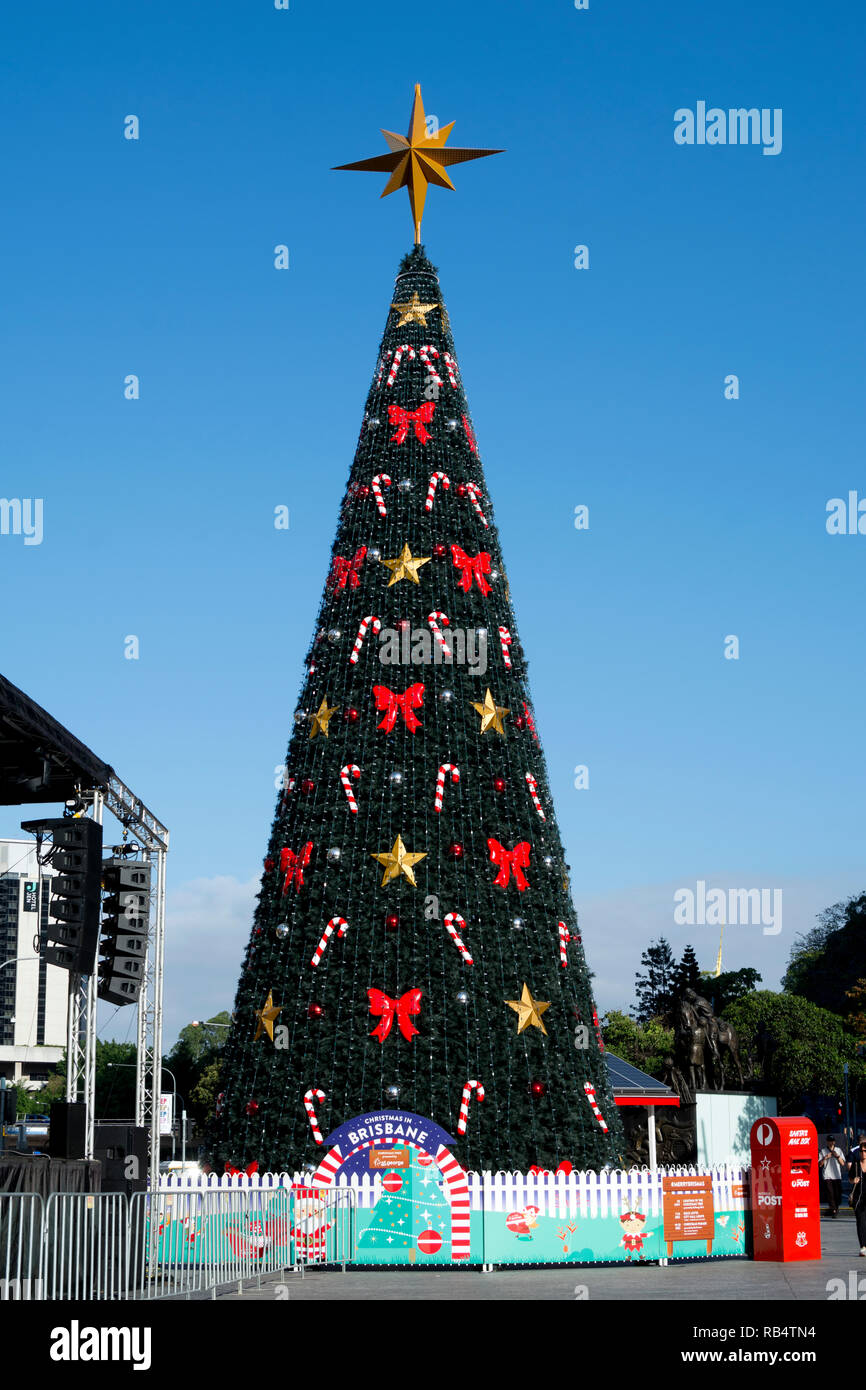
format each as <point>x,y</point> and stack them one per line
<point>634,1235</point>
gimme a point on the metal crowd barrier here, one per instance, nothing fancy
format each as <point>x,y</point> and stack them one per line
<point>172,1243</point>
<point>323,1226</point>
<point>22,1247</point>
<point>86,1245</point>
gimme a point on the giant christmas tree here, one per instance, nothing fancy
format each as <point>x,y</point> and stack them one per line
<point>415,929</point>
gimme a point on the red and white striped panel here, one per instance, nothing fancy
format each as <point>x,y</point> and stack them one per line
<point>458,1188</point>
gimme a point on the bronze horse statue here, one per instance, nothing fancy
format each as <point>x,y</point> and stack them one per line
<point>721,1037</point>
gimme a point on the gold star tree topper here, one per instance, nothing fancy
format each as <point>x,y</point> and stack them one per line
<point>416,160</point>
<point>403,566</point>
<point>528,1011</point>
<point>266,1017</point>
<point>491,714</point>
<point>398,861</point>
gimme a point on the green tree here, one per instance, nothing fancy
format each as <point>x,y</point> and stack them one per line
<point>644,1045</point>
<point>197,1047</point>
<point>827,961</point>
<point>115,1080</point>
<point>796,1047</point>
<point>655,988</point>
<point>399,705</point>
<point>687,974</point>
<point>204,1094</point>
<point>723,989</point>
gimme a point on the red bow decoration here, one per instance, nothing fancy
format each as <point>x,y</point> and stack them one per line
<point>293,865</point>
<point>250,1169</point>
<point>510,861</point>
<point>469,434</point>
<point>394,704</point>
<point>473,568</point>
<point>563,1167</point>
<point>348,569</point>
<point>403,1009</point>
<point>416,418</point>
<point>530,722</point>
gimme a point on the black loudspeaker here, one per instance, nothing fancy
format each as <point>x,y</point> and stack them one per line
<point>122,1151</point>
<point>125,914</point>
<point>67,1130</point>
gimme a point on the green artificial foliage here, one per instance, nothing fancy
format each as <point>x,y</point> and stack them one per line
<point>323,1035</point>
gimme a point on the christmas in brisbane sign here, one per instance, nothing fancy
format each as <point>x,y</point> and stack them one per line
<point>379,1130</point>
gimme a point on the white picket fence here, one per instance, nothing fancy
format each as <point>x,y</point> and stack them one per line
<point>555,1194</point>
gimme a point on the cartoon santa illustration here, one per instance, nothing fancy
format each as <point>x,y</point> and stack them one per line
<point>523,1223</point>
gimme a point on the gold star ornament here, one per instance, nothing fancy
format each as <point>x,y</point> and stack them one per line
<point>398,861</point>
<point>491,714</point>
<point>403,566</point>
<point>413,311</point>
<point>528,1011</point>
<point>266,1017</point>
<point>417,159</point>
<point>324,714</point>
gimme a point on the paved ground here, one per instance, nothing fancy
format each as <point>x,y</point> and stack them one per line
<point>734,1281</point>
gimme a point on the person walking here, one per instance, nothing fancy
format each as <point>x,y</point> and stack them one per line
<point>831,1162</point>
<point>857,1174</point>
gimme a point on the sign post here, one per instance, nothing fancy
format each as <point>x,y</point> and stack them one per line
<point>166,1116</point>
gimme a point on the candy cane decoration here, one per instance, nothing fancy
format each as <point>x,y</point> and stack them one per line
<point>475,494</point>
<point>590,1095</point>
<point>464,1104</point>
<point>380,480</point>
<point>533,792</point>
<point>505,643</point>
<point>346,774</point>
<point>431,491</point>
<point>425,352</point>
<point>309,1096</point>
<point>564,938</point>
<point>433,621</point>
<point>398,358</point>
<point>362,633</point>
<point>440,783</point>
<point>342,927</point>
<point>450,919</point>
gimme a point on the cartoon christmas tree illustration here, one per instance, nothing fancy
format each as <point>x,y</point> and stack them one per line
<point>411,1214</point>
<point>415,929</point>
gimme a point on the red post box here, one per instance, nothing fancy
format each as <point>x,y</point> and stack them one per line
<point>785,1203</point>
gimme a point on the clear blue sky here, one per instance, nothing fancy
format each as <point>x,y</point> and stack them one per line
<point>603,387</point>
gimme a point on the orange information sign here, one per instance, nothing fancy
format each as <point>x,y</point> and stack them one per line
<point>389,1158</point>
<point>687,1205</point>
